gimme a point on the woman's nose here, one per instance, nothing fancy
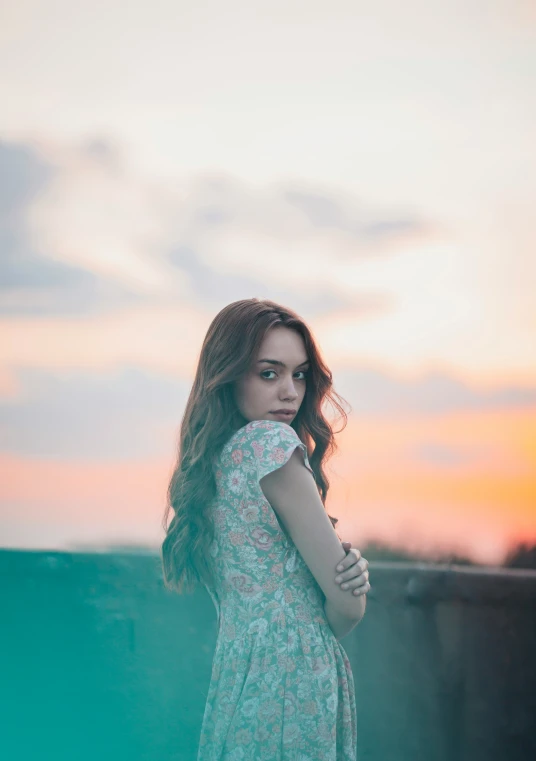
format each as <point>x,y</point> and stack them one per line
<point>289,390</point>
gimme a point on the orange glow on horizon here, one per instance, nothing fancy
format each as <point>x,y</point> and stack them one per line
<point>378,486</point>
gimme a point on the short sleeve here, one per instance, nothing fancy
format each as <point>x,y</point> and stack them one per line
<point>270,444</point>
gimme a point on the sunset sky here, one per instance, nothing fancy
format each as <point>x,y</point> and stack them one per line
<point>371,166</point>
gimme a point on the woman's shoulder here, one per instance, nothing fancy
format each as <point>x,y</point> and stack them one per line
<point>261,430</point>
<point>255,437</point>
<point>263,446</point>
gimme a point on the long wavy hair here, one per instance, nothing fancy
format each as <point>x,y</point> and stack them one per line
<point>211,417</point>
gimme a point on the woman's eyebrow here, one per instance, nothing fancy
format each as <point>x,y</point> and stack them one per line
<point>278,362</point>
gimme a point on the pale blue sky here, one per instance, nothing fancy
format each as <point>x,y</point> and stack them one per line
<point>371,166</point>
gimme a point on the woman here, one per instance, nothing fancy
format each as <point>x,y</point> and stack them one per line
<point>248,489</point>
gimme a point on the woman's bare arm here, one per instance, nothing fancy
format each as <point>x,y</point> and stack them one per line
<point>292,492</point>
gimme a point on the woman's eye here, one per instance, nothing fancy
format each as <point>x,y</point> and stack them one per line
<point>303,372</point>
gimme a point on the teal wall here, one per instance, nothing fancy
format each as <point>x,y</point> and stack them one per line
<point>99,661</point>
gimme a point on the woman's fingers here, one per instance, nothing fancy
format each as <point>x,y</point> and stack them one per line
<point>357,581</point>
<point>351,558</point>
<point>356,588</point>
<point>353,572</point>
<point>356,576</point>
<point>352,567</point>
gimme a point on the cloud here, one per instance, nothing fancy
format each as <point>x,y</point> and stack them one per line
<point>163,339</point>
<point>131,412</point>
<point>294,237</point>
<point>213,288</point>
<point>23,174</point>
<point>375,393</point>
<point>93,237</point>
<point>90,235</point>
<point>124,415</point>
<point>439,454</point>
<point>32,283</point>
<point>324,211</point>
<point>99,217</point>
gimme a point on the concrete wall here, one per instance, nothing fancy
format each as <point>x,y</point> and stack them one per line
<point>99,661</point>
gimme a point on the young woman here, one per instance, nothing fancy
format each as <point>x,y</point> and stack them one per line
<point>250,524</point>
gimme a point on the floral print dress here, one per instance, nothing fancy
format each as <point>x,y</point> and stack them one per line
<point>281,686</point>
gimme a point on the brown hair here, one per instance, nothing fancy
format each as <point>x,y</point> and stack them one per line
<point>210,419</point>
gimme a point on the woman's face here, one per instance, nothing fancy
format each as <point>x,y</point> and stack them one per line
<point>276,377</point>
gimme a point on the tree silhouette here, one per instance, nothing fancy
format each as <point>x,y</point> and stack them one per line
<point>522,555</point>
<point>377,550</point>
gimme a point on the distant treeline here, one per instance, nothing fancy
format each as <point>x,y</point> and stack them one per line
<point>522,555</point>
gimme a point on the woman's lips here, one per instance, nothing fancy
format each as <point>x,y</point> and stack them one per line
<point>284,415</point>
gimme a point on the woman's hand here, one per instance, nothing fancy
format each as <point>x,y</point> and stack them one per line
<point>352,571</point>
